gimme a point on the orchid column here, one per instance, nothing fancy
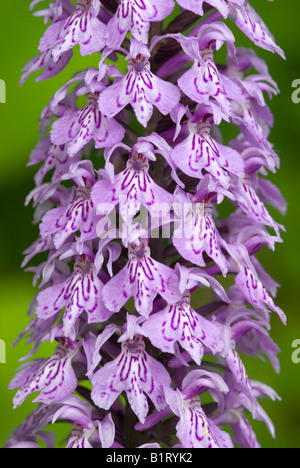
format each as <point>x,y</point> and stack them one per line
<point>127,198</point>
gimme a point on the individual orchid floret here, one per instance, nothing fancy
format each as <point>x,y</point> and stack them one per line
<point>82,27</point>
<point>78,215</point>
<point>248,329</point>
<point>37,331</point>
<point>140,88</point>
<point>91,81</point>
<point>135,372</point>
<point>81,173</point>
<point>270,194</point>
<point>237,404</point>
<point>234,415</point>
<point>238,370</point>
<point>54,378</point>
<point>39,246</point>
<point>248,20</point>
<point>254,85</point>
<point>44,61</point>
<point>203,432</point>
<point>85,426</point>
<point>203,82</point>
<point>53,157</point>
<point>200,152</point>
<point>78,128</point>
<point>256,156</point>
<point>133,187</point>
<point>249,202</point>
<point>179,323</point>
<point>81,292</point>
<point>135,16</point>
<point>26,435</point>
<point>142,278</point>
<point>244,59</point>
<point>249,283</point>
<point>65,105</point>
<point>196,233</point>
<point>255,122</point>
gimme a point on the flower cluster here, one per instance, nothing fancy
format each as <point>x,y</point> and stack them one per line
<point>133,172</point>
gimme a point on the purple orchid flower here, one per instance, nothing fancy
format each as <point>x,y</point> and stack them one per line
<point>133,187</point>
<point>80,127</point>
<point>203,153</point>
<point>196,232</point>
<point>140,88</point>
<point>45,62</point>
<point>143,278</point>
<point>203,432</point>
<point>135,16</point>
<point>53,377</point>
<point>179,323</point>
<point>135,372</point>
<point>81,292</point>
<point>85,427</point>
<point>250,284</point>
<point>248,20</point>
<point>82,27</point>
<point>80,214</point>
<point>128,195</point>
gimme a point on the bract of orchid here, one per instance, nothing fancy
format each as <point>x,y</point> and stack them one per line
<point>132,174</point>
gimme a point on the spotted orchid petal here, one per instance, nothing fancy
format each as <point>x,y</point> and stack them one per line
<point>81,292</point>
<point>80,127</point>
<point>135,372</point>
<point>200,152</point>
<point>55,378</point>
<point>135,16</point>
<point>142,89</point>
<point>179,323</point>
<point>82,27</point>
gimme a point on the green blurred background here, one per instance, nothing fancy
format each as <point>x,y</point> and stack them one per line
<point>19,36</point>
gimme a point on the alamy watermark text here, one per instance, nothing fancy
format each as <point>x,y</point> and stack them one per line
<point>2,352</point>
<point>2,92</point>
